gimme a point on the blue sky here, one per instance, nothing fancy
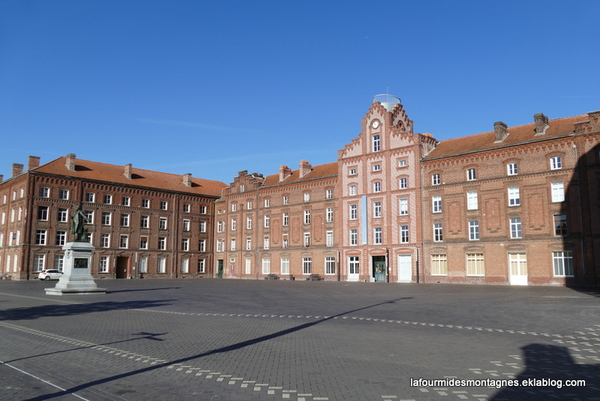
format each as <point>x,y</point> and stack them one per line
<point>215,87</point>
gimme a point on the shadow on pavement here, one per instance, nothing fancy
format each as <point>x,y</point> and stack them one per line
<point>144,289</point>
<point>547,371</point>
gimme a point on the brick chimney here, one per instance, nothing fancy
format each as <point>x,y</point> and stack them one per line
<point>501,131</point>
<point>541,123</point>
<point>1,178</point>
<point>187,180</point>
<point>127,171</point>
<point>33,162</point>
<point>305,168</point>
<point>284,172</point>
<point>17,169</point>
<point>70,161</point>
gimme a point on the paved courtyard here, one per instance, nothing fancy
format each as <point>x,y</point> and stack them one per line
<point>229,340</point>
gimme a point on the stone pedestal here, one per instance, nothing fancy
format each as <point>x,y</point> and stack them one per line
<point>77,277</point>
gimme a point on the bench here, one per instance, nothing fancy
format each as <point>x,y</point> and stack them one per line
<point>272,277</point>
<point>315,277</point>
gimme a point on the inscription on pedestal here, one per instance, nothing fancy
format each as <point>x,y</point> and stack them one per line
<point>80,263</point>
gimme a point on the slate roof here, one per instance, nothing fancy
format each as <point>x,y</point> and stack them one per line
<point>114,174</point>
<point>319,171</point>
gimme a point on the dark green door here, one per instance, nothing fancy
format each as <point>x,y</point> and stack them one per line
<point>220,268</point>
<point>379,268</point>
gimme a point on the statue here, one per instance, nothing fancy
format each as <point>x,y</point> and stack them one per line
<point>78,228</point>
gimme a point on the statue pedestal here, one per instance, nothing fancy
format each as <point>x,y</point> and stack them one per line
<point>77,278</point>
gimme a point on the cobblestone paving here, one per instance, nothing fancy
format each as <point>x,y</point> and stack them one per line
<point>251,340</point>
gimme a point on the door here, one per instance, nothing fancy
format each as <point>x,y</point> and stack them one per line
<point>404,268</point>
<point>122,264</point>
<point>353,268</point>
<point>517,268</point>
<point>220,268</point>
<point>379,268</point>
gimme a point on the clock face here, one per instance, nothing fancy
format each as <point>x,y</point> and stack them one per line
<point>375,124</point>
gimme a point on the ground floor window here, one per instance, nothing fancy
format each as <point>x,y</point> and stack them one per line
<point>354,265</point>
<point>306,265</point>
<point>329,265</point>
<point>103,264</point>
<point>475,264</point>
<point>439,265</point>
<point>248,266</point>
<point>143,264</point>
<point>162,265</point>
<point>201,265</point>
<point>266,266</point>
<point>185,265</point>
<point>59,262</point>
<point>39,262</point>
<point>563,263</point>
<point>518,264</point>
<point>285,265</point>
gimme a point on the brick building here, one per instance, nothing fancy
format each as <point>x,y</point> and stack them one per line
<point>140,221</point>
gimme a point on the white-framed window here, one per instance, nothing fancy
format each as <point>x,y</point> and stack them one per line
<point>267,202</point>
<point>439,265</point>
<point>186,207</point>
<point>403,205</point>
<point>203,209</point>
<point>44,192</point>
<point>307,217</point>
<point>40,237</point>
<point>353,236</point>
<point>352,190</point>
<point>512,168</point>
<point>162,243</point>
<point>404,238</point>
<point>220,245</point>
<point>185,265</point>
<point>353,212</point>
<point>126,201</point>
<point>329,194</point>
<point>472,200</point>
<point>376,143</point>
<point>377,186</point>
<point>307,197</point>
<point>329,265</point>
<point>43,213</point>
<point>248,243</point>
<point>61,238</point>
<point>436,179</point>
<point>90,197</point>
<point>234,207</point>
<point>471,174</point>
<point>402,183</point>
<point>560,224</point>
<point>266,242</point>
<point>232,244</point>
<point>515,228</point>
<point>234,224</point>
<point>377,209</point>
<point>202,226</point>
<point>377,167</point>
<point>143,264</point>
<point>143,242</point>
<point>513,196</point>
<point>220,226</point>
<point>329,238</point>
<point>266,265</point>
<point>438,232</point>
<point>248,266</point>
<point>562,262</point>
<point>473,230</point>
<point>248,222</point>
<point>436,203</point>
<point>555,163</point>
<point>123,241</point>
<point>89,216</point>
<point>475,265</point>
<point>242,187</point>
<point>202,245</point>
<point>558,191</point>
<point>162,223</point>
<point>306,239</point>
<point>59,262</point>
<point>286,199</point>
<point>106,218</point>
<point>352,171</point>
<point>201,265</point>
<point>249,205</point>
<point>378,235</point>
<point>63,215</point>
<point>146,203</point>
<point>185,244</point>
<point>108,199</point>
<point>164,205</point>
<point>124,220</point>
<point>353,265</point>
<point>105,240</point>
<point>402,163</point>
<point>285,219</point>
<point>161,267</point>
<point>329,215</point>
<point>306,265</point>
<point>63,194</point>
<point>103,268</point>
<point>267,220</point>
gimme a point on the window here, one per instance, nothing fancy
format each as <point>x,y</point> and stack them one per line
<point>248,223</point>
<point>329,238</point>
<point>186,208</point>
<point>558,191</point>
<point>352,171</point>
<point>329,215</point>
<point>126,201</point>
<point>285,241</point>
<point>164,205</point>
<point>146,203</point>
<point>203,209</point>
<point>202,245</point>
<point>185,244</point>
<point>40,237</point>
<point>267,221</point>
<point>353,236</point>
<point>145,222</point>
<point>233,244</point>
<point>402,163</point>
<point>108,199</point>
<point>267,202</point>
<point>234,224</point>
<point>44,192</point>
<point>377,167</point>
<point>353,212</point>
<point>306,265</point>
<point>329,265</point>
<point>376,142</point>
<point>403,207</point>
<point>471,174</point>
<point>123,241</point>
<point>42,212</point>
<point>515,228</point>
<point>63,215</point>
<point>352,190</point>
<point>61,238</point>
<point>307,197</point>
<point>512,169</point>
<point>106,217</point>
<point>285,265</point>
<point>63,194</point>
<point>353,265</point>
<point>286,200</point>
<point>473,230</point>
<point>124,220</point>
<point>266,242</point>
<point>438,232</point>
<point>378,235</point>
<point>242,187</point>
<point>475,264</point>
<point>201,266</point>
<point>472,202</point>
<point>249,205</point>
<point>436,202</point>
<point>90,197</point>
<point>162,243</point>
<point>560,224</point>
<point>404,234</point>
<point>329,194</point>
<point>266,266</point>
<point>89,216</point>
<point>162,223</point>
<point>219,245</point>
<point>59,262</point>
<point>307,217</point>
<point>39,262</point>
<point>402,183</point>
<point>220,226</point>
<point>555,163</point>
<point>202,226</point>
<point>376,209</point>
<point>306,239</point>
<point>439,266</point>
<point>377,186</point>
<point>143,264</point>
<point>436,179</point>
<point>285,219</point>
<point>103,268</point>
<point>161,266</point>
<point>248,244</point>
<point>144,242</point>
<point>563,263</point>
<point>105,240</point>
<point>234,207</point>
<point>513,196</point>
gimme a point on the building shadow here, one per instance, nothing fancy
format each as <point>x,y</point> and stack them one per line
<point>548,370</point>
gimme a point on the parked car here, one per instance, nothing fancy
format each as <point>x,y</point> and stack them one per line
<point>50,274</point>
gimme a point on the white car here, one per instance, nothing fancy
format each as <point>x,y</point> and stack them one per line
<point>50,274</point>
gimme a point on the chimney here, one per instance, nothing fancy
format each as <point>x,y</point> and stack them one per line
<point>127,172</point>
<point>501,131</point>
<point>70,162</point>
<point>187,180</point>
<point>541,123</point>
<point>305,168</point>
<point>33,162</point>
<point>1,178</point>
<point>284,172</point>
<point>16,169</point>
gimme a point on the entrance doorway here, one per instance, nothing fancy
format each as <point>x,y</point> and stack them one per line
<point>122,266</point>
<point>220,268</point>
<point>379,268</point>
<point>353,268</point>
<point>404,268</point>
<point>518,268</point>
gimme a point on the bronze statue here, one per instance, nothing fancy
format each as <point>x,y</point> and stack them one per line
<point>78,228</point>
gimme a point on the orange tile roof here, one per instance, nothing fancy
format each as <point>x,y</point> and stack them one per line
<point>111,173</point>
<point>517,135</point>
<point>319,171</point>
